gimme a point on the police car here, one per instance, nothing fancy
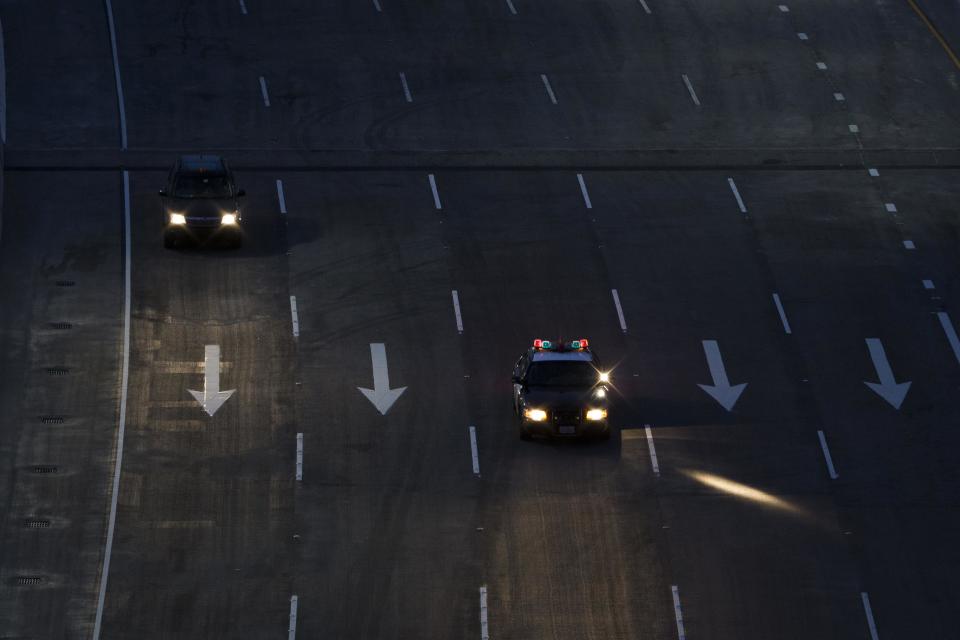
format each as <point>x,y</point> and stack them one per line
<point>560,389</point>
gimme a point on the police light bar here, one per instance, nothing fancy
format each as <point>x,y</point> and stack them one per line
<point>582,343</point>
<point>542,344</point>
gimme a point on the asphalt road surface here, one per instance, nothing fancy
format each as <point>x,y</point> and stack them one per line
<point>715,194</point>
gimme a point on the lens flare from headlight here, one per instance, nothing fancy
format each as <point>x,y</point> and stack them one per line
<point>229,218</point>
<point>536,415</point>
<point>596,414</point>
<point>178,218</point>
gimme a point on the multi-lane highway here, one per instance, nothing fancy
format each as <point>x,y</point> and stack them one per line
<point>715,194</point>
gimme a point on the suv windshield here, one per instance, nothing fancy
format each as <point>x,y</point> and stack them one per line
<point>561,373</point>
<point>199,186</point>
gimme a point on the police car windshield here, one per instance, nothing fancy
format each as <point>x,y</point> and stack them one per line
<point>567,373</point>
<point>209,186</point>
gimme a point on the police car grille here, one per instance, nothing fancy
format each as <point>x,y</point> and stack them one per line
<point>567,416</point>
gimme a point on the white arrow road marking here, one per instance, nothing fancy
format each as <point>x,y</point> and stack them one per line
<point>950,333</point>
<point>887,388</point>
<point>720,390</point>
<point>382,396</point>
<point>211,398</point>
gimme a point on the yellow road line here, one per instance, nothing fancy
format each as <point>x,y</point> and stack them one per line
<point>936,33</point>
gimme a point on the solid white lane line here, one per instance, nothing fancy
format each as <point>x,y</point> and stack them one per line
<point>299,456</point>
<point>436,194</point>
<point>116,77</point>
<point>263,91</point>
<point>280,198</point>
<point>908,244</point>
<point>456,311</point>
<point>376,5</point>
<point>783,314</point>
<point>826,455</point>
<point>678,613</point>
<point>406,87</point>
<point>950,333</point>
<point>513,9</point>
<point>693,94</point>
<point>868,611</point>
<point>484,628</point>
<point>583,190</point>
<point>890,207</point>
<point>474,454</point>
<point>645,7</point>
<point>292,627</point>
<point>928,284</point>
<point>616,302</point>
<point>653,450</point>
<point>243,7</point>
<point>294,316</point>
<point>736,194</point>
<point>121,428</point>
<point>546,83</point>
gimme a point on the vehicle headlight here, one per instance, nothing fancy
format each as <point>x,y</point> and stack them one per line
<point>600,393</point>
<point>536,415</point>
<point>596,414</point>
<point>178,218</point>
<point>604,376</point>
<point>229,218</point>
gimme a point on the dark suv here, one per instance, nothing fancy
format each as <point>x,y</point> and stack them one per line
<point>201,202</point>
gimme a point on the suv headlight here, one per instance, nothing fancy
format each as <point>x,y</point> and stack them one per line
<point>229,218</point>
<point>178,218</point>
<point>536,415</point>
<point>596,414</point>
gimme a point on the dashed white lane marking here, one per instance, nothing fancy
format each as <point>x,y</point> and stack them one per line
<point>243,7</point>
<point>736,194</point>
<point>484,626</point>
<point>784,8</point>
<point>263,91</point>
<point>822,66</point>
<point>643,4</point>
<point>950,332</point>
<point>653,450</point>
<point>677,612</point>
<point>908,244</point>
<point>376,5</point>
<point>873,173</point>
<point>853,128</point>
<point>456,311</point>
<point>783,314</point>
<point>928,284</point>
<point>839,97</point>
<point>406,87</point>
<point>803,36</point>
<point>890,207</point>
<point>474,454</point>
<point>583,190</point>
<point>294,316</point>
<point>512,8</point>
<point>292,627</point>
<point>280,198</point>
<point>436,194</point>
<point>868,611</point>
<point>299,456</point>
<point>546,84</point>
<point>116,77</point>
<point>826,455</point>
<point>616,303</point>
<point>121,428</point>
<point>693,94</point>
